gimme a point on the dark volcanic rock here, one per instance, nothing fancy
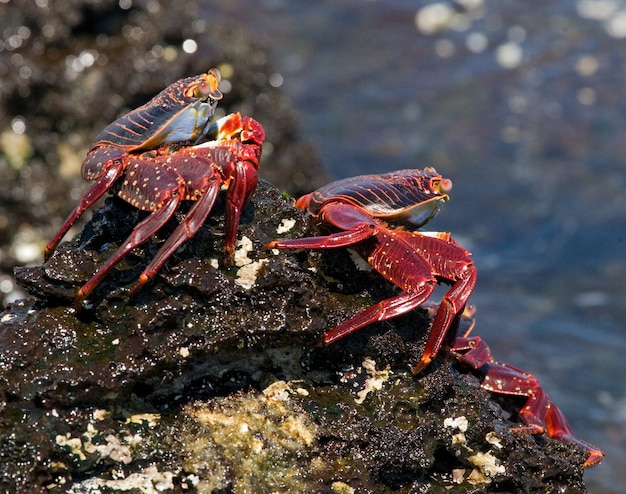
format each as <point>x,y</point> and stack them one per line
<point>70,68</point>
<point>209,379</point>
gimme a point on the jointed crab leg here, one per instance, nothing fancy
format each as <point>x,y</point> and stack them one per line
<point>239,193</point>
<point>387,309</point>
<point>236,147</point>
<point>179,113</point>
<point>147,198</point>
<point>188,227</point>
<point>539,414</point>
<point>390,255</point>
<point>399,256</point>
<point>414,261</point>
<point>88,199</point>
<point>238,176</point>
<point>452,304</point>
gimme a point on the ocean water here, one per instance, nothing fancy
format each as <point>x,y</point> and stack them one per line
<point>523,106</point>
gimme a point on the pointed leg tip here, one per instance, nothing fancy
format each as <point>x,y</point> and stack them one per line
<point>79,301</point>
<point>595,455</point>
<point>229,258</point>
<point>143,279</point>
<point>594,458</point>
<point>421,365</point>
<point>134,290</point>
<point>48,251</point>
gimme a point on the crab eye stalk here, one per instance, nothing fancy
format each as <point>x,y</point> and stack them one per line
<point>207,87</point>
<point>442,186</point>
<point>210,85</point>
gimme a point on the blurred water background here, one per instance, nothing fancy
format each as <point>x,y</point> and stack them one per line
<point>523,106</point>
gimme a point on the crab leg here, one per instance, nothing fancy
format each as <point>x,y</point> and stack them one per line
<point>539,414</point>
<point>382,311</point>
<point>190,225</point>
<point>237,159</point>
<point>142,232</point>
<point>357,224</point>
<point>90,196</point>
<point>139,189</point>
<point>446,322</point>
<point>240,191</point>
<point>407,259</point>
<point>391,253</point>
<point>559,428</point>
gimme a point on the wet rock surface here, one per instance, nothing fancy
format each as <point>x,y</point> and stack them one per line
<point>70,68</point>
<point>209,380</point>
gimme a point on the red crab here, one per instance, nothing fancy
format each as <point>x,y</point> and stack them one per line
<point>159,182</point>
<point>539,414</point>
<point>414,261</point>
<point>180,114</point>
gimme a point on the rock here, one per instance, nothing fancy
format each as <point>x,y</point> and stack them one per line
<point>70,68</point>
<point>209,380</point>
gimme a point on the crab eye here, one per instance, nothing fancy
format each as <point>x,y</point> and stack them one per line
<point>205,86</point>
<point>203,89</point>
<point>441,185</point>
<point>199,90</point>
<point>445,185</point>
